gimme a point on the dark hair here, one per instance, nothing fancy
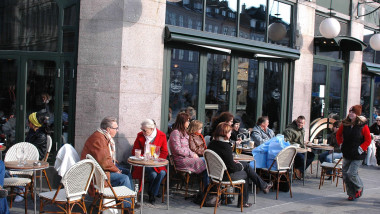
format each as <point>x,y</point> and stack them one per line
<point>221,130</point>
<point>301,117</point>
<point>180,121</point>
<point>43,119</point>
<point>337,123</point>
<point>262,119</point>
<point>235,121</point>
<point>223,117</point>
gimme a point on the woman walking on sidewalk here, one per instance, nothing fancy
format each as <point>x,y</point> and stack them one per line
<point>354,136</point>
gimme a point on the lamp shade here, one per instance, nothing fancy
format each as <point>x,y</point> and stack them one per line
<point>329,28</point>
<point>375,42</point>
<point>276,31</point>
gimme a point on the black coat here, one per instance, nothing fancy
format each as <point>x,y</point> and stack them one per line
<point>224,150</point>
<point>38,138</point>
<point>353,138</point>
<point>375,129</point>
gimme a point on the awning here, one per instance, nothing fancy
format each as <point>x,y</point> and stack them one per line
<point>339,43</point>
<point>371,67</point>
<point>190,36</point>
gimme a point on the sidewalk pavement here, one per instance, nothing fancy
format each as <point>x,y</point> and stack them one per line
<point>306,199</point>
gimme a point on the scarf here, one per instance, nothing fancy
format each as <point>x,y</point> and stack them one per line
<point>204,142</point>
<point>111,144</point>
<point>150,138</point>
<point>223,140</point>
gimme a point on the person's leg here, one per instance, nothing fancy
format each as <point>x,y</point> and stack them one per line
<point>126,171</point>
<point>336,156</point>
<point>346,178</point>
<point>157,182</point>
<point>299,161</point>
<point>353,175</point>
<point>310,159</point>
<point>241,175</point>
<point>254,176</point>
<point>119,179</point>
<point>322,157</point>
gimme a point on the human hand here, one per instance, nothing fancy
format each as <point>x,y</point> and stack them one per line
<point>360,150</point>
<point>195,155</point>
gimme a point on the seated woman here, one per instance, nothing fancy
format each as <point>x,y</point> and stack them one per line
<point>261,132</point>
<point>184,158</point>
<point>3,192</point>
<point>196,141</point>
<point>235,129</point>
<point>238,170</point>
<point>150,134</point>
<point>38,129</point>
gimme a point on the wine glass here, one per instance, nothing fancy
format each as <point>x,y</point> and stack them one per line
<point>157,152</point>
<point>20,153</point>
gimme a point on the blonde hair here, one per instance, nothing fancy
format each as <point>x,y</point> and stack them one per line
<point>194,126</point>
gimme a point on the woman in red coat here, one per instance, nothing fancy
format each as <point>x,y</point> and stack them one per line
<point>150,134</point>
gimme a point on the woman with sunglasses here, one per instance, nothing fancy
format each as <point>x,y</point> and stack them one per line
<point>151,135</point>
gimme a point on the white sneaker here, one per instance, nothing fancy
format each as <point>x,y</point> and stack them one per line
<point>19,198</point>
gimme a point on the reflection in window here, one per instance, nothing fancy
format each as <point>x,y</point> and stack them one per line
<point>228,17</point>
<point>70,16</point>
<point>335,96</point>
<point>318,91</point>
<point>8,78</point>
<point>368,53</point>
<point>30,25</point>
<point>272,94</point>
<point>246,97</point>
<point>184,77</point>
<point>376,101</point>
<point>187,12</point>
<point>365,95</point>
<point>217,86</point>
<point>252,19</point>
<point>280,23</point>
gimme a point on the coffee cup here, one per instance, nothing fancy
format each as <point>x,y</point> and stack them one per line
<point>252,144</point>
<point>324,141</point>
<point>296,145</point>
<point>315,141</point>
<point>138,153</point>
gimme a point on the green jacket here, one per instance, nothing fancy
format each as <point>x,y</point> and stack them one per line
<point>295,135</point>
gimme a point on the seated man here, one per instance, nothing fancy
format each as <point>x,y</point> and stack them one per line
<point>3,192</point>
<point>261,133</point>
<point>295,134</point>
<point>102,147</point>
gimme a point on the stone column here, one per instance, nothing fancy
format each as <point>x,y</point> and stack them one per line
<point>120,61</point>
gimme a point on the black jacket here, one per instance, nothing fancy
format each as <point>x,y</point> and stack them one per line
<point>353,138</point>
<point>38,138</point>
<point>375,129</point>
<point>224,150</point>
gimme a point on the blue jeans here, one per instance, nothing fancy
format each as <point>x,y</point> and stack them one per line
<point>3,201</point>
<point>154,179</point>
<point>122,179</point>
<point>327,157</point>
<point>351,177</point>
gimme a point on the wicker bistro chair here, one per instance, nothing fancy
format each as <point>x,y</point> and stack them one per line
<point>216,169</point>
<point>49,143</point>
<point>284,163</point>
<point>72,190</point>
<point>19,178</point>
<point>335,168</point>
<point>116,195</point>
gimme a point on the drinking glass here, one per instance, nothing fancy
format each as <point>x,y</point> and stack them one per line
<point>157,152</point>
<point>137,153</point>
<point>20,153</point>
<point>152,150</point>
<point>239,148</point>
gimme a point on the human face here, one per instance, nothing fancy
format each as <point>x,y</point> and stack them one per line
<point>378,122</point>
<point>200,130</point>
<point>265,124</point>
<point>187,123</point>
<point>113,129</point>
<point>352,115</point>
<point>236,126</point>
<point>230,122</point>
<point>300,123</point>
<point>228,135</point>
<point>147,131</point>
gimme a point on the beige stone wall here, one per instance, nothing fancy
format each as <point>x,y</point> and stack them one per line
<point>120,65</point>
<point>303,72</point>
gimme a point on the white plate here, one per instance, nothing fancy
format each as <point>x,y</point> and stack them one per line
<point>135,158</point>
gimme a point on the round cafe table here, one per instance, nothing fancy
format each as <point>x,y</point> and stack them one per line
<point>319,148</point>
<point>150,163</point>
<point>29,166</point>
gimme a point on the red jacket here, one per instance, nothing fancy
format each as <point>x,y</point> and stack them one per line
<point>160,140</point>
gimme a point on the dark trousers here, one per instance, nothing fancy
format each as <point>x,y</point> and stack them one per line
<point>299,160</point>
<point>246,174</point>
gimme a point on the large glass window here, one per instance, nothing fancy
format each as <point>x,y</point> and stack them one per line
<point>272,93</point>
<point>221,14</point>
<point>246,95</point>
<point>185,13</point>
<point>335,96</point>
<point>318,91</point>
<point>184,77</point>
<point>376,101</point>
<point>280,27</point>
<point>217,85</point>
<point>29,25</point>
<point>8,78</point>
<point>253,19</point>
<point>365,95</point>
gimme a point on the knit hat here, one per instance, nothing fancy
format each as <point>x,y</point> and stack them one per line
<point>357,109</point>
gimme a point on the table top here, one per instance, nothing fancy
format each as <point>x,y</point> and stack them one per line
<point>149,163</point>
<point>28,166</point>
<point>320,146</point>
<point>243,157</point>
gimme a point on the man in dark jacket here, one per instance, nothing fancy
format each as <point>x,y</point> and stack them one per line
<point>295,134</point>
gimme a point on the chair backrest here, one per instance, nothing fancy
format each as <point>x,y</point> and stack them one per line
<point>285,158</point>
<point>100,176</point>
<point>31,153</point>
<point>320,125</point>
<point>215,165</point>
<point>338,162</point>
<point>77,179</point>
<point>49,143</point>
